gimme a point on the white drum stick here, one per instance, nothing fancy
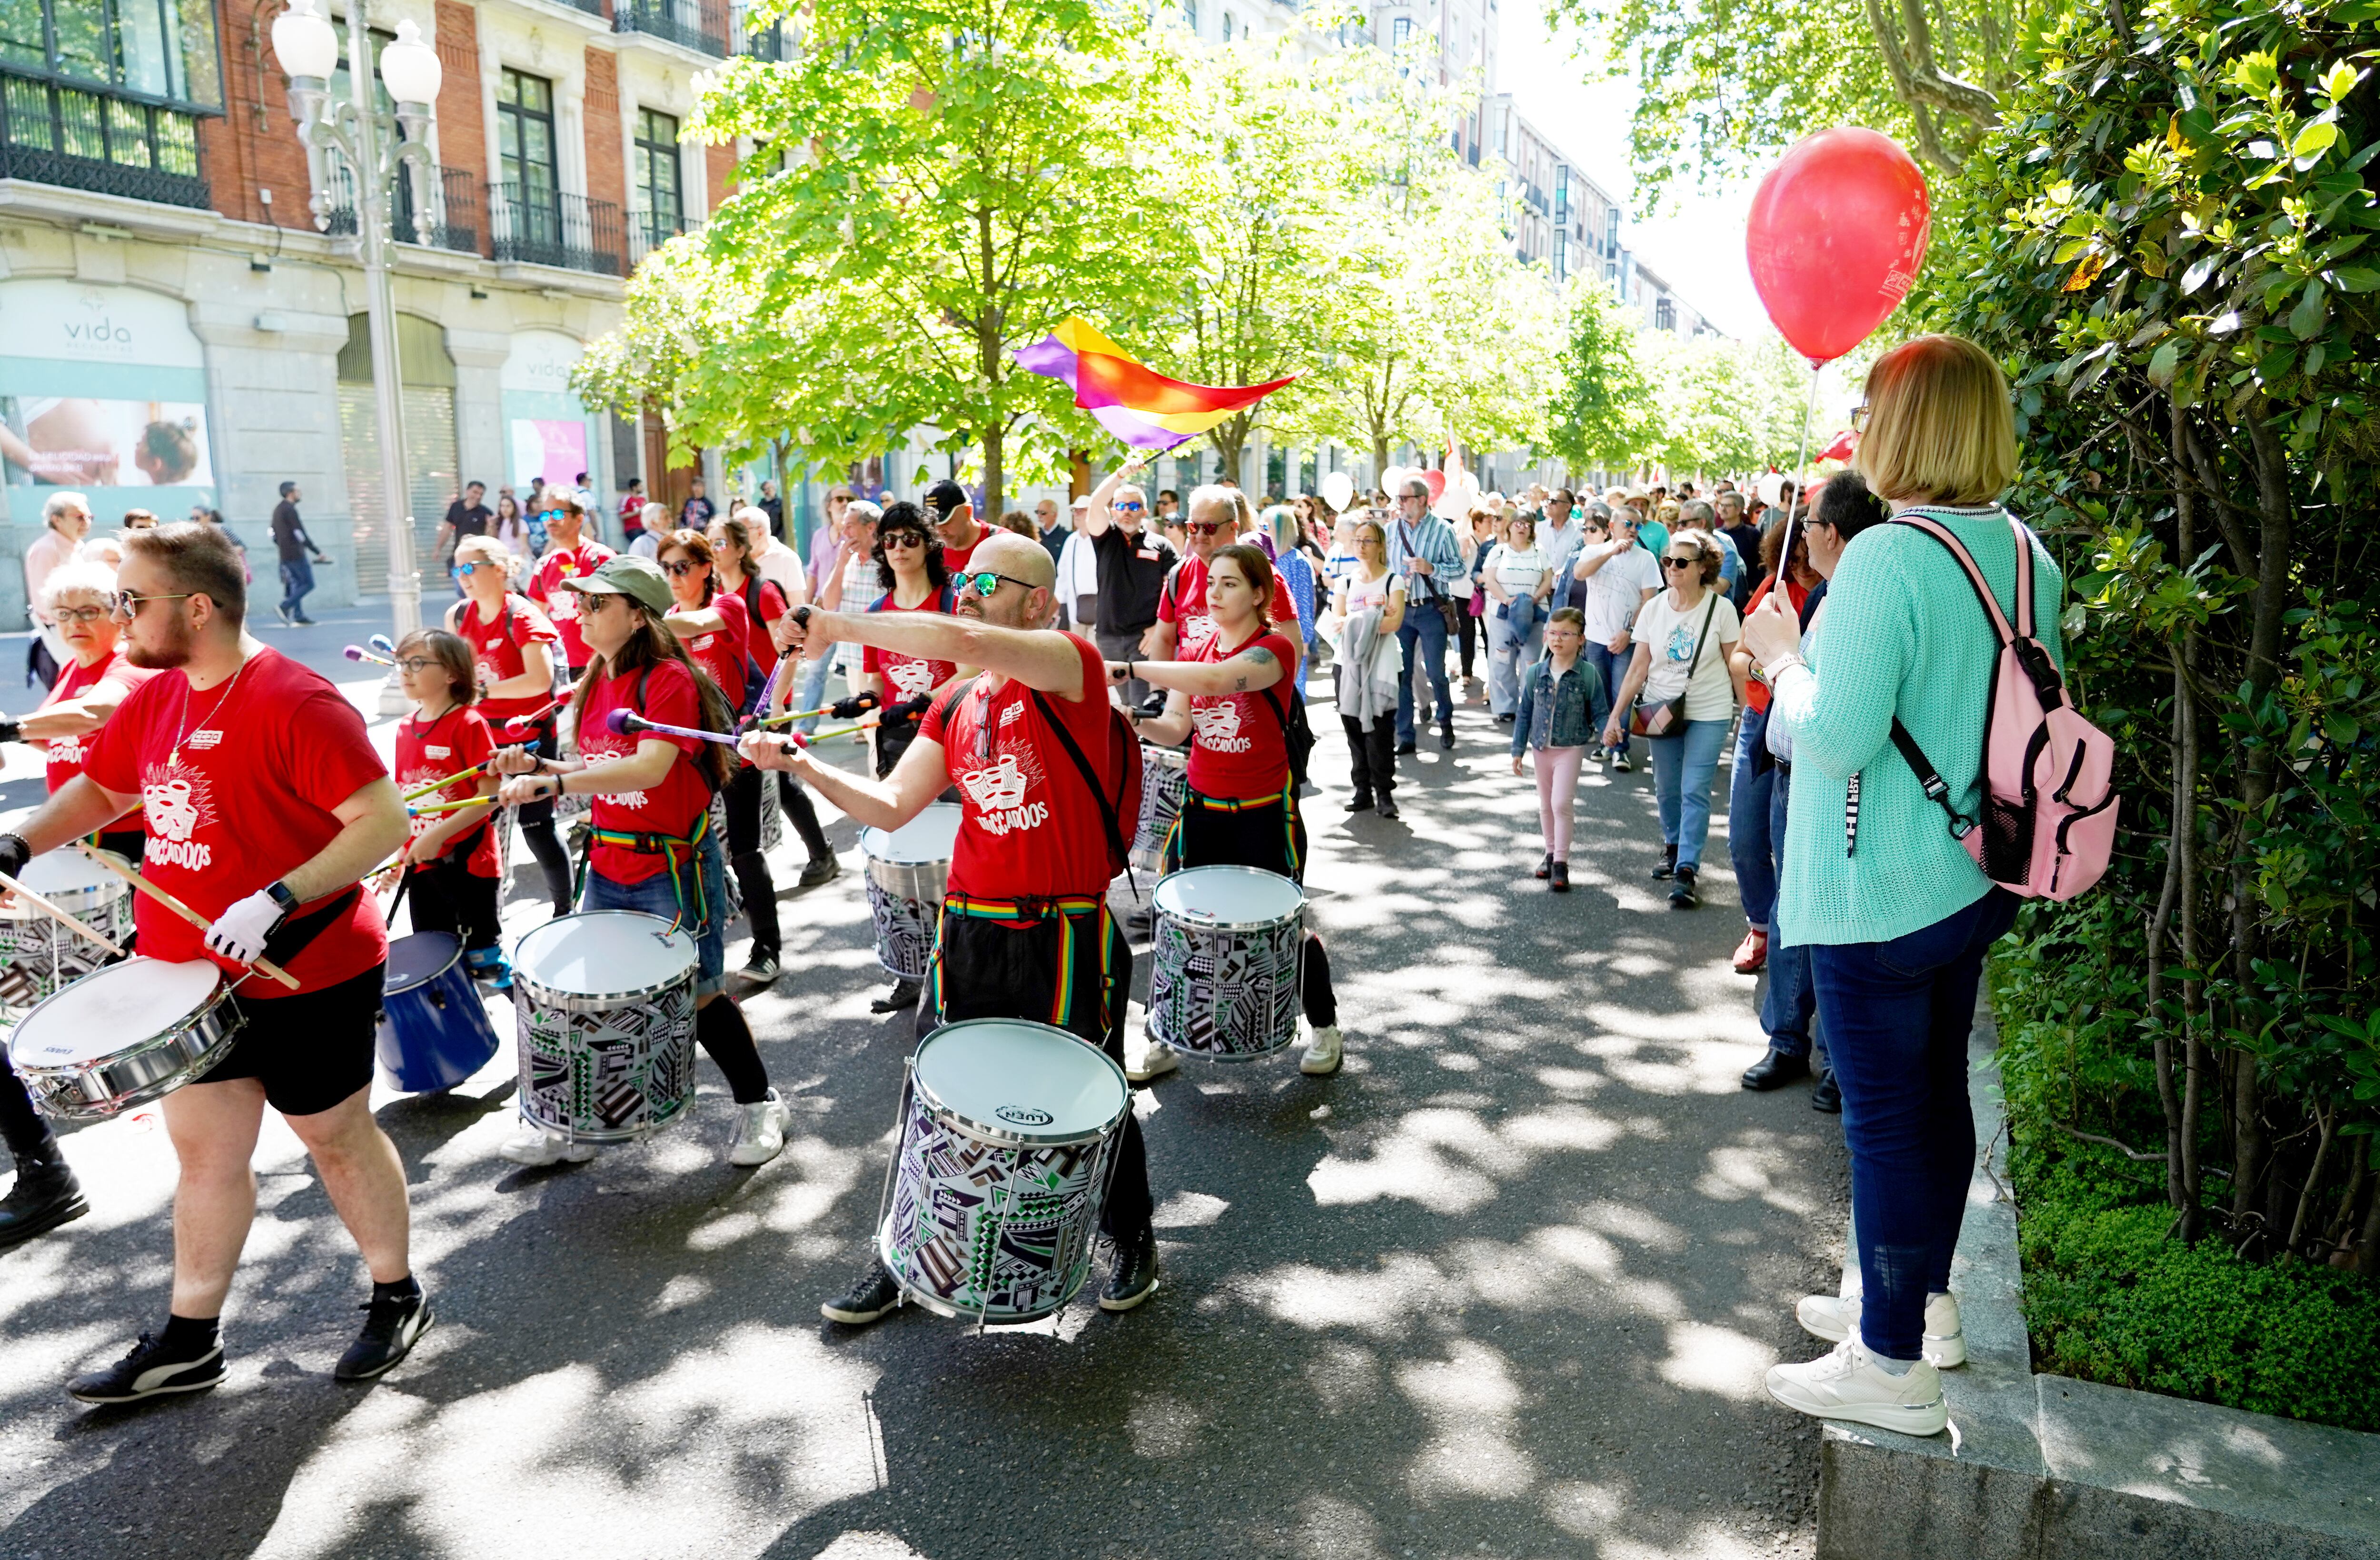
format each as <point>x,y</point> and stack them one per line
<point>13,886</point>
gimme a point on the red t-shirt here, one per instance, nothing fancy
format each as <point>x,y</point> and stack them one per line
<point>772,602</point>
<point>1755,694</point>
<point>428,750</point>
<point>720,652</point>
<point>562,606</point>
<point>1030,828</point>
<point>1185,605</point>
<point>1237,748</point>
<point>957,557</point>
<point>496,647</point>
<point>670,807</point>
<point>65,753</point>
<point>906,676</point>
<point>247,797</point>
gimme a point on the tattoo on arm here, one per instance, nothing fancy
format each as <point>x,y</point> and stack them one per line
<point>1256,657</point>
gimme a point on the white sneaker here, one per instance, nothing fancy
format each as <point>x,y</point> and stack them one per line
<point>1849,1384</point>
<point>1322,1057</point>
<point>543,1145</point>
<point>759,1131</point>
<point>1157,1059</point>
<point>1834,1318</point>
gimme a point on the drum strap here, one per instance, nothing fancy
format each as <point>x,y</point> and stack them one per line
<point>1232,804</point>
<point>291,937</point>
<point>682,854</point>
<point>1020,913</point>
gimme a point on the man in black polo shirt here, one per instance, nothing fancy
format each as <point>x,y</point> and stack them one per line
<point>467,516</point>
<point>1134,562</point>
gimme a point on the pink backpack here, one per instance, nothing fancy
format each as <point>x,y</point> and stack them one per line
<point>2049,822</point>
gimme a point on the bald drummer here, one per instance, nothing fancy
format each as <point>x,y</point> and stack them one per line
<point>1024,930</point>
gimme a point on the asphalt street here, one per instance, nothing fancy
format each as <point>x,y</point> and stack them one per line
<point>1506,1285</point>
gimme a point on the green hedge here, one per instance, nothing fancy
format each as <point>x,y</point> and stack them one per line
<point>2108,1298</point>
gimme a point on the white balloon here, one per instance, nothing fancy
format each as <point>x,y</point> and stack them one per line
<point>1337,490</point>
<point>1772,487</point>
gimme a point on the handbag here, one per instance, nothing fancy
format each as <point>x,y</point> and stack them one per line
<point>1668,718</point>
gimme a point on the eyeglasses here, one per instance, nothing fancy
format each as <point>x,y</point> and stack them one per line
<point>984,582</point>
<point>413,665</point>
<point>1209,528</point>
<point>1127,509</point>
<point>1859,416</point>
<point>1679,562</point>
<point>902,539</point>
<point>81,613</point>
<point>124,603</point>
<point>681,569</point>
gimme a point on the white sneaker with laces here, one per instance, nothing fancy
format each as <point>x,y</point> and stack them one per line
<point>1155,1060</point>
<point>1833,1318</point>
<point>542,1145</point>
<point>759,1131</point>
<point>1847,1384</point>
<point>1323,1055</point>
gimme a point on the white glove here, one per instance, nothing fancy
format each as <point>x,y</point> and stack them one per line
<point>239,932</point>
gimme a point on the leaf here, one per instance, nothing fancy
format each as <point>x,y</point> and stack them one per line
<point>2163,361</point>
<point>2355,279</point>
<point>2224,324</point>
<point>2312,143</point>
<point>2086,273</point>
<point>2339,80</point>
<point>2195,277</point>
<point>2310,313</point>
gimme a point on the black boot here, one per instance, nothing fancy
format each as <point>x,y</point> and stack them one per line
<point>1360,802</point>
<point>1827,1097</point>
<point>1134,1277</point>
<point>45,1195</point>
<point>1775,1071</point>
<point>904,994</point>
<point>1546,867</point>
<point>1561,877</point>
<point>1668,867</point>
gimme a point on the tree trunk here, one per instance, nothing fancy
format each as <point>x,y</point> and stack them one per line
<point>2184,859</point>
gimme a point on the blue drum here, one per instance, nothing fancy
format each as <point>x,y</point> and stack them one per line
<point>434,1029</point>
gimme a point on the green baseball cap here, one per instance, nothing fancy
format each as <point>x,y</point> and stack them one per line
<point>627,575</point>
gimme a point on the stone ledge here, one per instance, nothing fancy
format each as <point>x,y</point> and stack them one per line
<point>2042,1468</point>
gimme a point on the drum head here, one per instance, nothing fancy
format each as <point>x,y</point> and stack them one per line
<point>929,836</point>
<point>1155,756</point>
<point>1228,896</point>
<point>65,871</point>
<point>1026,1083</point>
<point>112,1009</point>
<point>603,952</point>
<point>421,957</point>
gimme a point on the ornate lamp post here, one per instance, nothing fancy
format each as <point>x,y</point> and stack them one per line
<point>376,146</point>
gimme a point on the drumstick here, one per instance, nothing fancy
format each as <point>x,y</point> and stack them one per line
<point>519,724</point>
<point>803,739</point>
<point>794,715</point>
<point>262,966</point>
<point>452,806</point>
<point>22,892</point>
<point>358,653</point>
<point>627,722</point>
<point>442,784</point>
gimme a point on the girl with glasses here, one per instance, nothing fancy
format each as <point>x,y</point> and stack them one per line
<point>1685,640</point>
<point>513,650</point>
<point>450,863</point>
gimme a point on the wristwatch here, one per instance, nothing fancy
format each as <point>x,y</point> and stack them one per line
<point>283,897</point>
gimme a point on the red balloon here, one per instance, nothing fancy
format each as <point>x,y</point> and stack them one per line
<point>1837,233</point>
<point>1436,483</point>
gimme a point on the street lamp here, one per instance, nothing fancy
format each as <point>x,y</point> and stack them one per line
<point>376,146</point>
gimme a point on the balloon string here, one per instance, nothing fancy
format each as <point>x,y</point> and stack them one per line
<point>1801,486</point>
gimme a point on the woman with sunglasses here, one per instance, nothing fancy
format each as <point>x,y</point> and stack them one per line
<point>736,573</point>
<point>711,625</point>
<point>1229,700</point>
<point>652,848</point>
<point>95,680</point>
<point>1686,652</point>
<point>512,646</point>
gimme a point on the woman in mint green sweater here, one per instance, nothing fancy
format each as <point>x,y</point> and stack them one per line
<point>1897,930</point>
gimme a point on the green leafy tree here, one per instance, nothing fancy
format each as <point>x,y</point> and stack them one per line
<point>1604,415</point>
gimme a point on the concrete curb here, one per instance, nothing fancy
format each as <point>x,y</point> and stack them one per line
<point>2036,1467</point>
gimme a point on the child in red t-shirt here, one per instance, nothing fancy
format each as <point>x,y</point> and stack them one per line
<point>450,864</point>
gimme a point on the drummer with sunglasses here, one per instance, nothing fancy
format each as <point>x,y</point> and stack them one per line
<point>1231,698</point>
<point>1184,617</point>
<point>1025,929</point>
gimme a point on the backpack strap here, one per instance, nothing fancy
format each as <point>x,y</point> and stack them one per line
<point>1116,843</point>
<point>1937,790</point>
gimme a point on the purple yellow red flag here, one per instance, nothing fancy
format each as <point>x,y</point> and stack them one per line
<point>1132,400</point>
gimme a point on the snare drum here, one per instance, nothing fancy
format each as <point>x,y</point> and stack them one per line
<point>124,1036</point>
<point>40,955</point>
<point>1224,973</point>
<point>605,1003</point>
<point>1164,781</point>
<point>1008,1134</point>
<point>907,868</point>
<point>433,1028</point>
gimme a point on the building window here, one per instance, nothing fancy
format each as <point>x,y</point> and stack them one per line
<point>1561,255</point>
<point>1665,314</point>
<point>1401,32</point>
<point>1190,14</point>
<point>163,51</point>
<point>525,143</point>
<point>1228,24</point>
<point>660,206</point>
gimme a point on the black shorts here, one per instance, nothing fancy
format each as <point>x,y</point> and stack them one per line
<point>309,1050</point>
<point>1268,836</point>
<point>1074,971</point>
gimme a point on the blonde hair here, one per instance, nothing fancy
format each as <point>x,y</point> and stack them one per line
<point>1939,424</point>
<point>487,549</point>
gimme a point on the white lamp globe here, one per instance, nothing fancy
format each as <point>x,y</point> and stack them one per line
<point>305,42</point>
<point>409,67</point>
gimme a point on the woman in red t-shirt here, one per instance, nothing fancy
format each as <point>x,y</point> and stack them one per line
<point>653,850</point>
<point>449,861</point>
<point>1233,702</point>
<point>764,608</point>
<point>903,686</point>
<point>88,688</point>
<point>713,626</point>
<point>512,646</point>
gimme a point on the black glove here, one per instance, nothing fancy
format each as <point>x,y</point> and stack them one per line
<point>11,730</point>
<point>14,854</point>
<point>851,709</point>
<point>909,710</point>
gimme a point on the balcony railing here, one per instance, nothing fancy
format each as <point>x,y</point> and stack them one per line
<point>699,25</point>
<point>649,230</point>
<point>51,134</point>
<point>452,222</point>
<point>541,227</point>
<point>769,43</point>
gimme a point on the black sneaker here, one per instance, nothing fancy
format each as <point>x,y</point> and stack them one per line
<point>1561,877</point>
<point>391,1329</point>
<point>1360,802</point>
<point>874,1295</point>
<point>821,869</point>
<point>1546,867</point>
<point>45,1195</point>
<point>1134,1277</point>
<point>303,622</point>
<point>1387,808</point>
<point>1407,746</point>
<point>1827,1097</point>
<point>760,969</point>
<point>1669,864</point>
<point>148,1371</point>
<point>282,611</point>
<point>904,994</point>
<point>1446,739</point>
<point>1681,889</point>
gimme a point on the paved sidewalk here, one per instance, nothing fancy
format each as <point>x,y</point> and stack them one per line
<point>1506,1285</point>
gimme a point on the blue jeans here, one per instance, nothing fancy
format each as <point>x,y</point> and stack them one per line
<point>809,691</point>
<point>1424,634</point>
<point>658,896</point>
<point>1509,655</point>
<point>296,578</point>
<point>1683,767</point>
<point>1749,787</point>
<point>1897,1016</point>
<point>1613,665</point>
<point>1789,1008</point>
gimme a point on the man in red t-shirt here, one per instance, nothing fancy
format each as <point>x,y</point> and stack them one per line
<point>568,556</point>
<point>951,514</point>
<point>1184,624</point>
<point>1029,871</point>
<point>264,805</point>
